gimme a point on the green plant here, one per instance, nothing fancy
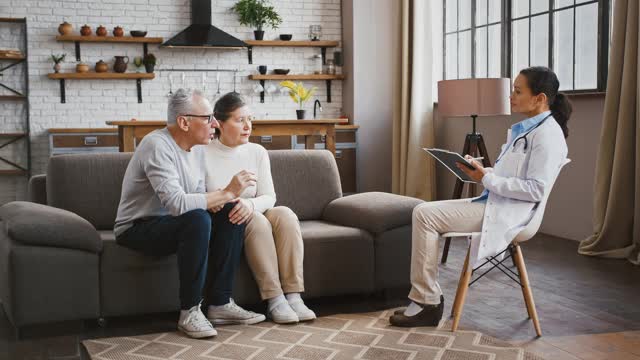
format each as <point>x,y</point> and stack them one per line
<point>257,13</point>
<point>298,93</point>
<point>149,59</point>
<point>58,58</point>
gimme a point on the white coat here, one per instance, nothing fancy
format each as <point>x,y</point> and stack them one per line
<point>516,184</point>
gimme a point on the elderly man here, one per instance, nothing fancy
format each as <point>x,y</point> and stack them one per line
<point>163,210</point>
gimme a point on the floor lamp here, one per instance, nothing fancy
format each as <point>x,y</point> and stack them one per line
<point>472,98</point>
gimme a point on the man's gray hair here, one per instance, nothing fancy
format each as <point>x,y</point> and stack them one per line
<point>181,103</point>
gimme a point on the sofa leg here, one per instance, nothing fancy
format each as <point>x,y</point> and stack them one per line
<point>102,322</point>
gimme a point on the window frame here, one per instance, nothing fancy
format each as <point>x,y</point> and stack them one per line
<point>506,21</point>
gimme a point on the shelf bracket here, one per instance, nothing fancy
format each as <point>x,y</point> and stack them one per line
<point>262,92</point>
<point>145,49</point>
<point>328,90</point>
<point>12,90</point>
<point>63,97</point>
<point>139,86</point>
<point>323,50</point>
<point>77,50</point>
<point>250,54</point>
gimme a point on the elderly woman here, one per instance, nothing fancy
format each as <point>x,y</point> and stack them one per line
<point>273,240</point>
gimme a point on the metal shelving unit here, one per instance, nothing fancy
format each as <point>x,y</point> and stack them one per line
<point>8,61</point>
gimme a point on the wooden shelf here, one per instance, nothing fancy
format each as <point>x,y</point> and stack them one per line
<point>13,172</point>
<point>292,43</point>
<point>138,77</point>
<point>297,77</point>
<point>326,77</point>
<point>12,97</point>
<point>13,20</point>
<point>110,39</point>
<point>82,130</point>
<point>11,135</point>
<point>103,76</point>
<point>322,44</point>
<point>11,57</point>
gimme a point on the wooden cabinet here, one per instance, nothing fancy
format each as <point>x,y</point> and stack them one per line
<point>84,140</point>
<point>273,142</point>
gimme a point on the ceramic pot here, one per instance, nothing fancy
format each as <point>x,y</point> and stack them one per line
<point>85,30</point>
<point>82,68</point>
<point>149,68</point>
<point>120,65</point>
<point>102,66</point>
<point>65,28</point>
<point>118,31</point>
<point>56,68</point>
<point>301,114</point>
<point>101,31</point>
<point>258,34</point>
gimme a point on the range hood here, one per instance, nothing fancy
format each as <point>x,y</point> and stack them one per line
<point>201,34</point>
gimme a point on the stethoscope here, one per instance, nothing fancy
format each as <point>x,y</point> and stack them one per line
<point>524,137</point>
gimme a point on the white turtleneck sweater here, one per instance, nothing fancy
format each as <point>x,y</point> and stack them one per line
<point>223,162</point>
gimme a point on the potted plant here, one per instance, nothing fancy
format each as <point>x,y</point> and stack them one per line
<point>299,94</point>
<point>57,59</point>
<point>257,14</point>
<point>149,62</point>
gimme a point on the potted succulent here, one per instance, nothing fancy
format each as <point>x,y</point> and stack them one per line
<point>257,14</point>
<point>299,94</point>
<point>57,59</point>
<point>149,62</point>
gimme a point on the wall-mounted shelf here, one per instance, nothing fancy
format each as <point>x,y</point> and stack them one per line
<point>322,44</point>
<point>12,97</point>
<point>100,76</point>
<point>77,39</point>
<point>326,77</point>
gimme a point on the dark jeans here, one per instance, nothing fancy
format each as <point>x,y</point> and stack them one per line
<point>198,237</point>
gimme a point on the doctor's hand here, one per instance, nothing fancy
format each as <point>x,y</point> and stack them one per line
<point>477,174</point>
<point>241,212</point>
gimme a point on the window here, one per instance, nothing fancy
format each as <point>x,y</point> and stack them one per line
<point>505,36</point>
<point>472,38</point>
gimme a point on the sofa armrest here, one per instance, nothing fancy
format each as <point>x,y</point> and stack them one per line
<point>42,225</point>
<point>375,212</point>
<point>38,189</point>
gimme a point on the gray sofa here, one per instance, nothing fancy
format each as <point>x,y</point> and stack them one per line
<point>59,259</point>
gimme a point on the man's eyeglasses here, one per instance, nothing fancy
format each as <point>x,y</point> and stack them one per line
<point>209,118</point>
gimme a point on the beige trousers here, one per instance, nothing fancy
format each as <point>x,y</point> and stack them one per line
<point>275,251</point>
<point>430,219</point>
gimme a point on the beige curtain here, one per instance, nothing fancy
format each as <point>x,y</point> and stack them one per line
<point>413,172</point>
<point>617,184</point>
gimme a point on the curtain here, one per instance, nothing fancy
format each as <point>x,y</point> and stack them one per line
<point>616,222</point>
<point>413,172</point>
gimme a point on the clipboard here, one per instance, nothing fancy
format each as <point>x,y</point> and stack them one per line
<point>449,160</point>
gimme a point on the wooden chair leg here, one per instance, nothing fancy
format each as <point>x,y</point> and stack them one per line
<point>445,251</point>
<point>461,294</point>
<point>457,298</point>
<point>526,290</point>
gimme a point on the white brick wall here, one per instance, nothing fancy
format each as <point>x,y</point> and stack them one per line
<point>92,102</point>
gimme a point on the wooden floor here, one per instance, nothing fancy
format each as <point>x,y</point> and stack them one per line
<point>589,309</point>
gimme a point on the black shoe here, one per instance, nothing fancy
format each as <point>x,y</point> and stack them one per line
<point>429,316</point>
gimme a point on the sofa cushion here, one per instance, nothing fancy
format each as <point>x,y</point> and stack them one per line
<point>88,185</point>
<point>373,211</point>
<point>338,259</point>
<point>42,225</point>
<point>305,180</point>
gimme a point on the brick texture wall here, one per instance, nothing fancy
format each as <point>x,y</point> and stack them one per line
<point>92,102</point>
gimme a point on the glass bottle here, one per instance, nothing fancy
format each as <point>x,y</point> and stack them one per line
<point>330,68</point>
<point>315,32</point>
<point>317,64</point>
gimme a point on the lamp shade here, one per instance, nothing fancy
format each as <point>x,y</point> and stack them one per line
<point>466,97</point>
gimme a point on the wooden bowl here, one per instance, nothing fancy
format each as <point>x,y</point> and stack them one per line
<point>138,33</point>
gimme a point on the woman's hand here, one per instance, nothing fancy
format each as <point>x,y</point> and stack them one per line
<point>241,212</point>
<point>477,174</point>
<point>215,209</point>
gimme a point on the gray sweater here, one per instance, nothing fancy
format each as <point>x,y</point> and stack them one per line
<point>161,179</point>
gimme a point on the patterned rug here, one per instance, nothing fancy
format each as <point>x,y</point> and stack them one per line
<point>345,336</point>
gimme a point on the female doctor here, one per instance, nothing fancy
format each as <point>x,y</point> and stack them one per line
<point>525,169</point>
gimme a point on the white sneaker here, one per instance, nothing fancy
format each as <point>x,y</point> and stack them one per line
<point>233,314</point>
<point>282,313</point>
<point>195,324</point>
<point>303,312</point>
